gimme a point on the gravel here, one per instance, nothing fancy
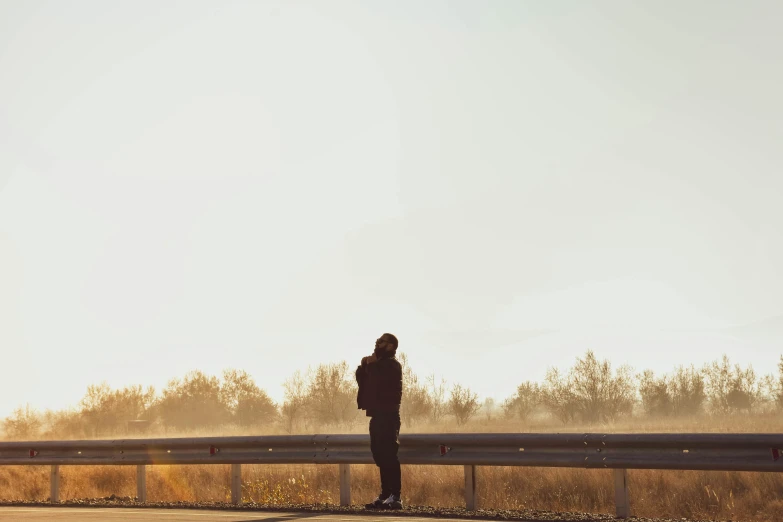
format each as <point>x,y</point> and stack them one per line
<point>419,511</point>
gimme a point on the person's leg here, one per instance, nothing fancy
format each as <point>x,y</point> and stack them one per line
<point>384,472</point>
<point>380,455</point>
<point>377,450</point>
<point>394,473</point>
<point>388,446</point>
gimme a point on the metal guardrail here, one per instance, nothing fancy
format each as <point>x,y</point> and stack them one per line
<point>618,452</point>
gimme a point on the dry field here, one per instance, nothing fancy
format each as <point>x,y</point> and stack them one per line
<point>701,495</point>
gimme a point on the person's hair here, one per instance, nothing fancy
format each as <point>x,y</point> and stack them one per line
<point>392,338</point>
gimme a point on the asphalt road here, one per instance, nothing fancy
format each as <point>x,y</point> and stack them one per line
<point>36,514</point>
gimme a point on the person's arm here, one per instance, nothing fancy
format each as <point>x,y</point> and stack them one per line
<point>390,379</point>
<point>359,384</point>
<point>362,368</point>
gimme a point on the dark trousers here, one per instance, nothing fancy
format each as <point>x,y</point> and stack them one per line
<point>384,430</point>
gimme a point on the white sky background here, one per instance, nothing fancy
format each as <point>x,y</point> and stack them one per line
<point>271,185</point>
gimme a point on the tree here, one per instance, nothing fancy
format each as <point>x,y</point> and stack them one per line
<point>463,404</point>
<point>23,424</point>
<point>331,395</point>
<point>777,390</point>
<point>681,393</point>
<point>600,394</point>
<point>687,391</point>
<point>294,402</point>
<point>105,410</point>
<point>731,388</point>
<point>437,398</point>
<point>196,401</point>
<point>249,404</point>
<point>416,403</point>
<point>524,401</point>
<point>557,396</point>
<point>656,395</point>
<point>488,408</point>
<point>65,424</point>
<point>745,390</point>
<point>591,390</point>
<point>769,392</point>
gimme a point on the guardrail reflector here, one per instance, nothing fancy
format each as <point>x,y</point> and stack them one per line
<point>775,454</point>
<point>33,453</point>
<point>213,450</point>
<point>444,450</point>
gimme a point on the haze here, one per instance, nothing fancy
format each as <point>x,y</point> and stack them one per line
<point>271,185</point>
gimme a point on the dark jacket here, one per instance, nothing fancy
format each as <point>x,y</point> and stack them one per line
<point>380,386</point>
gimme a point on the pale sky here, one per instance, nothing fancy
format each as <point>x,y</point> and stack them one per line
<point>271,185</point>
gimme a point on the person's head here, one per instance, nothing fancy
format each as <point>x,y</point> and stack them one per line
<point>386,345</point>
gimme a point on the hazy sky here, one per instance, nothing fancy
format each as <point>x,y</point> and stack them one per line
<point>271,185</point>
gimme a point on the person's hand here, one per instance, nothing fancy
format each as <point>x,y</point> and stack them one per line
<point>369,359</point>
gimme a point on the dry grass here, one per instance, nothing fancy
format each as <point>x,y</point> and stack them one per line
<point>734,496</point>
<point>715,495</point>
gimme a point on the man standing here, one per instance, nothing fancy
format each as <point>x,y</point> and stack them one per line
<point>380,391</point>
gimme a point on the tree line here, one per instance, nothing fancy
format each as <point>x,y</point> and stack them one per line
<point>324,397</point>
<point>591,391</point>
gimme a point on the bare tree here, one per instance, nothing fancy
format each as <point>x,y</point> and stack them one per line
<point>779,389</point>
<point>488,408</point>
<point>463,404</point>
<point>416,403</point>
<point>249,404</point>
<point>558,397</point>
<point>104,410</point>
<point>769,392</point>
<point>23,424</point>
<point>687,391</point>
<point>682,393</point>
<point>437,393</point>
<point>295,399</point>
<point>331,395</point>
<point>656,394</point>
<point>65,424</point>
<point>731,388</point>
<point>526,399</point>
<point>601,394</point>
<point>195,401</point>
<point>591,389</point>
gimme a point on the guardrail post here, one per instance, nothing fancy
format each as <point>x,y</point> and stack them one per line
<point>236,483</point>
<point>141,483</point>
<point>345,484</point>
<point>623,507</point>
<point>54,484</point>
<point>470,488</point>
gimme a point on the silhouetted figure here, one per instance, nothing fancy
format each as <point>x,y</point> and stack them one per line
<point>380,391</point>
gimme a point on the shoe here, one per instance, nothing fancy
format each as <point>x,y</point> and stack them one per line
<point>377,503</point>
<point>393,502</point>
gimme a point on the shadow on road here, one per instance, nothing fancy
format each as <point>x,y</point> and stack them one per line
<point>284,518</point>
